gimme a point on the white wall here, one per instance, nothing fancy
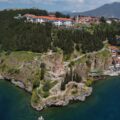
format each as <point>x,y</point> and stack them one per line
<point>57,23</point>
<point>68,23</point>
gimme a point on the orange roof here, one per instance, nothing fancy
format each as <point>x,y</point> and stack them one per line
<point>29,15</point>
<point>65,19</point>
<point>113,47</point>
<point>49,17</point>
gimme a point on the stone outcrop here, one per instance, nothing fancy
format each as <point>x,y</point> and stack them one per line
<point>25,71</point>
<point>74,91</point>
<point>98,61</point>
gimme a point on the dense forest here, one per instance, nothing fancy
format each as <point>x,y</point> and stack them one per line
<point>16,35</point>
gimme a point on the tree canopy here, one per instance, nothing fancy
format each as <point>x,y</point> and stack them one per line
<point>17,35</point>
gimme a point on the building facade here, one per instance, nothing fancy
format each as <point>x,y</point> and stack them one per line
<point>54,20</point>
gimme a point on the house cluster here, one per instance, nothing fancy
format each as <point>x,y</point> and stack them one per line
<point>52,19</point>
<point>70,22</point>
<point>114,68</point>
<point>87,20</point>
<point>110,20</point>
<point>115,57</point>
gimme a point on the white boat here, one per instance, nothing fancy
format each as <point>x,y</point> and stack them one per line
<point>41,118</point>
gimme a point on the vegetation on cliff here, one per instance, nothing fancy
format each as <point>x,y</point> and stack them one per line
<point>51,79</point>
<point>46,77</point>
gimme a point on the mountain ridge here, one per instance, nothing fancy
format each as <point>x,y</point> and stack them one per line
<point>107,10</point>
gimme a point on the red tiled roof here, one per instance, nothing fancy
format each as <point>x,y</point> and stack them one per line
<point>48,17</point>
<point>113,47</point>
<point>65,19</point>
<point>29,15</point>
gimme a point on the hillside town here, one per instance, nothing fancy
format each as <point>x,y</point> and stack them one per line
<point>115,57</point>
<point>68,22</point>
<point>114,68</point>
<point>87,20</point>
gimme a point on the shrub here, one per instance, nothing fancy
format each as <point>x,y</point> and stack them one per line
<point>46,94</point>
<point>42,66</point>
<point>35,97</point>
<point>3,67</point>
<point>36,83</point>
<point>47,86</point>
<point>13,71</point>
<point>74,92</point>
<point>89,82</point>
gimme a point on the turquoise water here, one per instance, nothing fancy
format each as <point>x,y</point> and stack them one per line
<point>104,104</point>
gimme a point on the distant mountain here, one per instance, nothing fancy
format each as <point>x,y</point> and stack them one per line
<point>107,10</point>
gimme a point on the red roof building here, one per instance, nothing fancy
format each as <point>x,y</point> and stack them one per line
<point>56,21</point>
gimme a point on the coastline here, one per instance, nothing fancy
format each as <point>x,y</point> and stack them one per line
<point>59,103</point>
<point>112,73</point>
<point>102,92</point>
<point>63,100</point>
<point>18,84</point>
<point>61,84</point>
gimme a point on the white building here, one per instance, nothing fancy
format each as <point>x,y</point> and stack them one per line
<point>109,21</point>
<point>68,23</point>
<point>58,23</point>
<point>54,20</point>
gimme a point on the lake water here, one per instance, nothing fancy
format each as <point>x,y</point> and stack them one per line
<point>103,104</point>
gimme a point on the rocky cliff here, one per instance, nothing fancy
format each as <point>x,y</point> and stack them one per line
<point>50,81</point>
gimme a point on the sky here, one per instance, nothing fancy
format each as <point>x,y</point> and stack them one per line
<point>55,5</point>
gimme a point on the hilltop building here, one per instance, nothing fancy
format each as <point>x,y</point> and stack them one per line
<point>110,20</point>
<point>87,20</point>
<point>52,19</point>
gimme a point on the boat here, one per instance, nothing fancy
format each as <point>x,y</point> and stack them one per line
<point>41,118</point>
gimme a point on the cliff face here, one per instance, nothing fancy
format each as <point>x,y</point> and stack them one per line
<point>96,62</point>
<point>44,75</point>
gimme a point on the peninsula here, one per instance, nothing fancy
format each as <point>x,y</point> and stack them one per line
<point>56,63</point>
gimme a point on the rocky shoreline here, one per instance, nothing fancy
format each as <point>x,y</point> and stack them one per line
<point>16,83</point>
<point>63,99</point>
<point>112,73</point>
<point>50,79</point>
